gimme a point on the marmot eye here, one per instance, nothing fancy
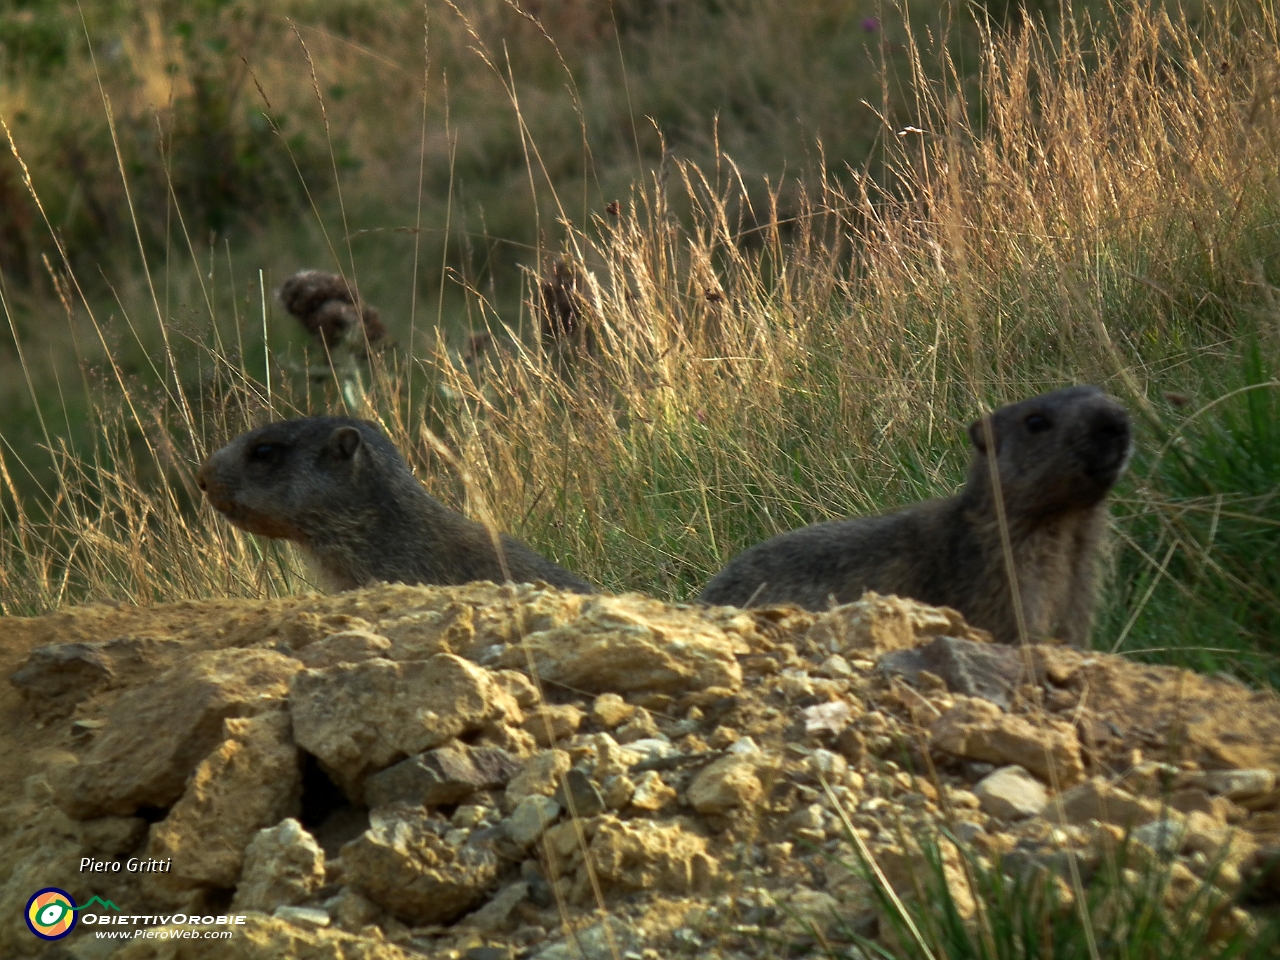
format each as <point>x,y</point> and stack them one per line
<point>1037,423</point>
<point>263,450</point>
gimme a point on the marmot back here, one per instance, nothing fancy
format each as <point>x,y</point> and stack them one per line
<point>339,489</point>
<point>1057,456</point>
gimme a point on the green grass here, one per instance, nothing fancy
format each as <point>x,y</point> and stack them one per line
<point>1130,907</point>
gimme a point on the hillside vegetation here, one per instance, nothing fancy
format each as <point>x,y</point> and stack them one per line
<point>837,236</point>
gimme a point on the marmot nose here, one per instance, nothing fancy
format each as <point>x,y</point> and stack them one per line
<point>1111,426</point>
<point>200,481</point>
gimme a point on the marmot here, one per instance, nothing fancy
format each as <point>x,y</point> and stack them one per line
<point>340,489</point>
<point>1057,456</point>
<point>326,307</point>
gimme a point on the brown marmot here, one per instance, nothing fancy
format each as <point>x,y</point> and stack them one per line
<point>1057,456</point>
<point>339,489</point>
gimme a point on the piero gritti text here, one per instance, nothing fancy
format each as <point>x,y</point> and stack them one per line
<point>132,865</point>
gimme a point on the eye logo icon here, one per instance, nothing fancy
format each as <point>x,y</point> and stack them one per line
<point>51,913</point>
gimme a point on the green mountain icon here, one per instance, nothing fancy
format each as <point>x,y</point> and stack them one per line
<point>105,903</point>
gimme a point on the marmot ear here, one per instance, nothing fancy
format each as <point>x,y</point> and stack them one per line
<point>978,434</point>
<point>344,442</point>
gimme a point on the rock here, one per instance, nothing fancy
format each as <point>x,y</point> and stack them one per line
<point>646,854</point>
<point>360,717</point>
<point>495,916</point>
<point>1011,793</point>
<point>1164,836</point>
<point>728,783</point>
<point>980,730</point>
<point>621,644</point>
<point>250,781</point>
<point>909,870</point>
<point>57,677</point>
<point>562,721</point>
<point>583,798</point>
<point>353,911</point>
<point>617,791</point>
<point>302,916</point>
<point>530,819</point>
<point>1096,799</point>
<point>641,726</point>
<point>1237,785</point>
<point>609,710</point>
<point>262,938</point>
<point>520,687</point>
<point>610,939</point>
<point>831,718</point>
<point>157,733</point>
<point>403,866</point>
<point>828,767</point>
<point>987,670</point>
<point>283,866</point>
<point>875,624</point>
<point>350,646</point>
<point>444,776</point>
<point>816,914</point>
<point>541,775</point>
<point>651,792</point>
<point>807,823</point>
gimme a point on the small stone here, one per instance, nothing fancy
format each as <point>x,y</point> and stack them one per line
<point>979,730</point>
<point>283,866</point>
<point>828,767</point>
<point>55,678</point>
<point>609,710</point>
<point>519,686</point>
<point>827,718</point>
<point>641,726</point>
<point>495,916</point>
<point>470,816</point>
<point>1232,784</point>
<point>350,646</point>
<point>560,721</point>
<point>808,823</point>
<point>618,791</point>
<point>440,777</point>
<point>652,749</point>
<point>541,775</point>
<point>1096,799</point>
<point>353,911</point>
<point>584,794</point>
<point>652,792</point>
<point>357,718</point>
<point>723,737</point>
<point>1163,836</point>
<point>836,666</point>
<point>1011,793</point>
<point>302,916</point>
<point>728,783</point>
<point>404,866</point>
<point>488,953</point>
<point>530,819</point>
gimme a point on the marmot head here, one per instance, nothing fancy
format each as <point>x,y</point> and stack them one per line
<point>290,479</point>
<point>1059,451</point>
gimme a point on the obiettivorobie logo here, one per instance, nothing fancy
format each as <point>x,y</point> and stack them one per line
<point>51,913</point>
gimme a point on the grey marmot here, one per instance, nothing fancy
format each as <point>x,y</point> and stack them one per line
<point>339,489</point>
<point>1057,456</point>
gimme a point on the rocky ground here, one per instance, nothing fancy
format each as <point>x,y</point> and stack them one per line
<point>493,772</point>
